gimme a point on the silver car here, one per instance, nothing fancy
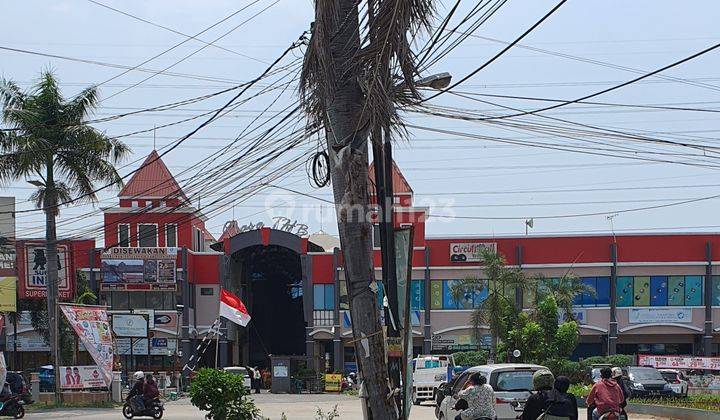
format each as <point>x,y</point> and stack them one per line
<point>512,383</point>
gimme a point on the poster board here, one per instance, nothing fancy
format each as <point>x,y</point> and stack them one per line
<point>139,269</point>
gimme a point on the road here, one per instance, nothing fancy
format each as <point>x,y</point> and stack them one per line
<point>273,406</point>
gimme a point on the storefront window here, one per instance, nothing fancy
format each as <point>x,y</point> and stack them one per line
<point>441,296</point>
<point>137,300</point>
<point>661,291</point>
<point>154,300</point>
<point>323,297</point>
<point>120,300</point>
<point>601,295</point>
<point>715,290</point>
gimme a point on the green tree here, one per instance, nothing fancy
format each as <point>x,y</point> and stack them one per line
<point>50,145</point>
<point>564,289</point>
<point>566,339</point>
<point>499,305</point>
<point>222,395</point>
<point>546,316</point>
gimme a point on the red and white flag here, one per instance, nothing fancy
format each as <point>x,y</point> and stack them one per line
<point>232,308</point>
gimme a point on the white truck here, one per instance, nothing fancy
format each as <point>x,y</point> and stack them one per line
<point>429,372</point>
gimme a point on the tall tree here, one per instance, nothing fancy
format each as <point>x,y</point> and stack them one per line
<point>49,139</point>
<point>498,309</point>
<point>352,80</point>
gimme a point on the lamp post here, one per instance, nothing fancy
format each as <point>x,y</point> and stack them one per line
<point>383,162</point>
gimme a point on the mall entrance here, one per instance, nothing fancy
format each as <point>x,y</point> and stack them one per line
<point>265,269</point>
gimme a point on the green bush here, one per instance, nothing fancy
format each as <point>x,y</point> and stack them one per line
<point>579,390</point>
<point>621,360</point>
<point>564,367</point>
<point>222,395</point>
<point>470,358</point>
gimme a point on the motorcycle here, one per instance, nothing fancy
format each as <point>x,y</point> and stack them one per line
<point>154,410</point>
<point>13,407</point>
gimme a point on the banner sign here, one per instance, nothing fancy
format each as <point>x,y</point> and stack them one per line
<point>470,251</point>
<point>7,236</point>
<point>130,325</point>
<point>93,328</point>
<point>8,294</point>
<point>35,284</point>
<point>580,316</point>
<point>458,342</point>
<point>403,274</point>
<point>660,315</point>
<point>679,362</point>
<point>166,322</point>
<point>27,338</point>
<point>144,346</point>
<point>333,382</point>
<point>139,269</point>
<point>81,377</point>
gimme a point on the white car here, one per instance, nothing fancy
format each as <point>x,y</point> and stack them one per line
<point>239,370</point>
<point>512,383</point>
<point>678,382</point>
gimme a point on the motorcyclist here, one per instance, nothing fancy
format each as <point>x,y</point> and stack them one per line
<point>135,397</point>
<point>6,392</point>
<point>605,395</point>
<point>150,391</point>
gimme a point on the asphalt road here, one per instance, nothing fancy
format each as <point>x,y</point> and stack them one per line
<point>295,407</point>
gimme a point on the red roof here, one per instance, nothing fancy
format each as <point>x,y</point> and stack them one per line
<point>400,184</point>
<point>152,180</point>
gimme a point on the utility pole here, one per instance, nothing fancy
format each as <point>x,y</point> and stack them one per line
<point>331,77</point>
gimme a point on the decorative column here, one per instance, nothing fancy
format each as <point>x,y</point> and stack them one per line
<point>338,349</point>
<point>427,333</point>
<point>187,348</point>
<point>708,336</point>
<point>306,263</point>
<point>518,290</point>
<point>613,325</point>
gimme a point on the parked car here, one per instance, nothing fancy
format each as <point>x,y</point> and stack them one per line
<point>240,370</point>
<point>19,386</point>
<point>678,382</point>
<point>512,383</point>
<point>648,382</point>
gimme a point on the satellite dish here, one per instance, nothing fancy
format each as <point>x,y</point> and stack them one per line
<point>516,352</point>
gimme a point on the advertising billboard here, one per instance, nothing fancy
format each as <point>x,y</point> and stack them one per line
<point>139,269</point>
<point>7,236</point>
<point>128,325</point>
<point>470,251</point>
<point>34,285</point>
<point>81,377</point>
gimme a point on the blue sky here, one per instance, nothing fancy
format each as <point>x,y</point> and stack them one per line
<point>453,175</point>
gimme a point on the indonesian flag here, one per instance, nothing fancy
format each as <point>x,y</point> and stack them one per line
<point>232,308</point>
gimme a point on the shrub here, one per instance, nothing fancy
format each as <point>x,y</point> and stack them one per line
<point>621,360</point>
<point>564,367</point>
<point>470,358</point>
<point>222,395</point>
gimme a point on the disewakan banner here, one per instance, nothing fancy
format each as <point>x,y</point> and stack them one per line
<point>139,269</point>
<point>93,328</point>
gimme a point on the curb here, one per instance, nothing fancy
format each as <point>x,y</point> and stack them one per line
<point>672,412</point>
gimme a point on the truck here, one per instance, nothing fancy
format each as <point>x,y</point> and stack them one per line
<point>429,371</point>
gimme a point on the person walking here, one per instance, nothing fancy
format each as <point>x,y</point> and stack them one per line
<point>257,379</point>
<point>560,403</point>
<point>605,395</point>
<point>480,399</point>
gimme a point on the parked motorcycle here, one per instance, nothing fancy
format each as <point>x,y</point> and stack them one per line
<point>13,407</point>
<point>154,410</point>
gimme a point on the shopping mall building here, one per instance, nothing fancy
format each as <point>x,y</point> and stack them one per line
<point>666,287</point>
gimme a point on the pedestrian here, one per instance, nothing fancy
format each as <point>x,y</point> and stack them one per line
<point>560,403</point>
<point>605,395</point>
<point>257,379</point>
<point>479,398</point>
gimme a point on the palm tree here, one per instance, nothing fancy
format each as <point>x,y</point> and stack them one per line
<point>564,289</point>
<point>48,138</point>
<point>352,79</point>
<point>494,311</point>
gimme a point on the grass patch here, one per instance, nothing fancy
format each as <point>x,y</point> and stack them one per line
<point>700,401</point>
<point>40,406</point>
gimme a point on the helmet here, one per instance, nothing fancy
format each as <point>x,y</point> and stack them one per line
<point>617,372</point>
<point>138,375</point>
<point>543,379</point>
